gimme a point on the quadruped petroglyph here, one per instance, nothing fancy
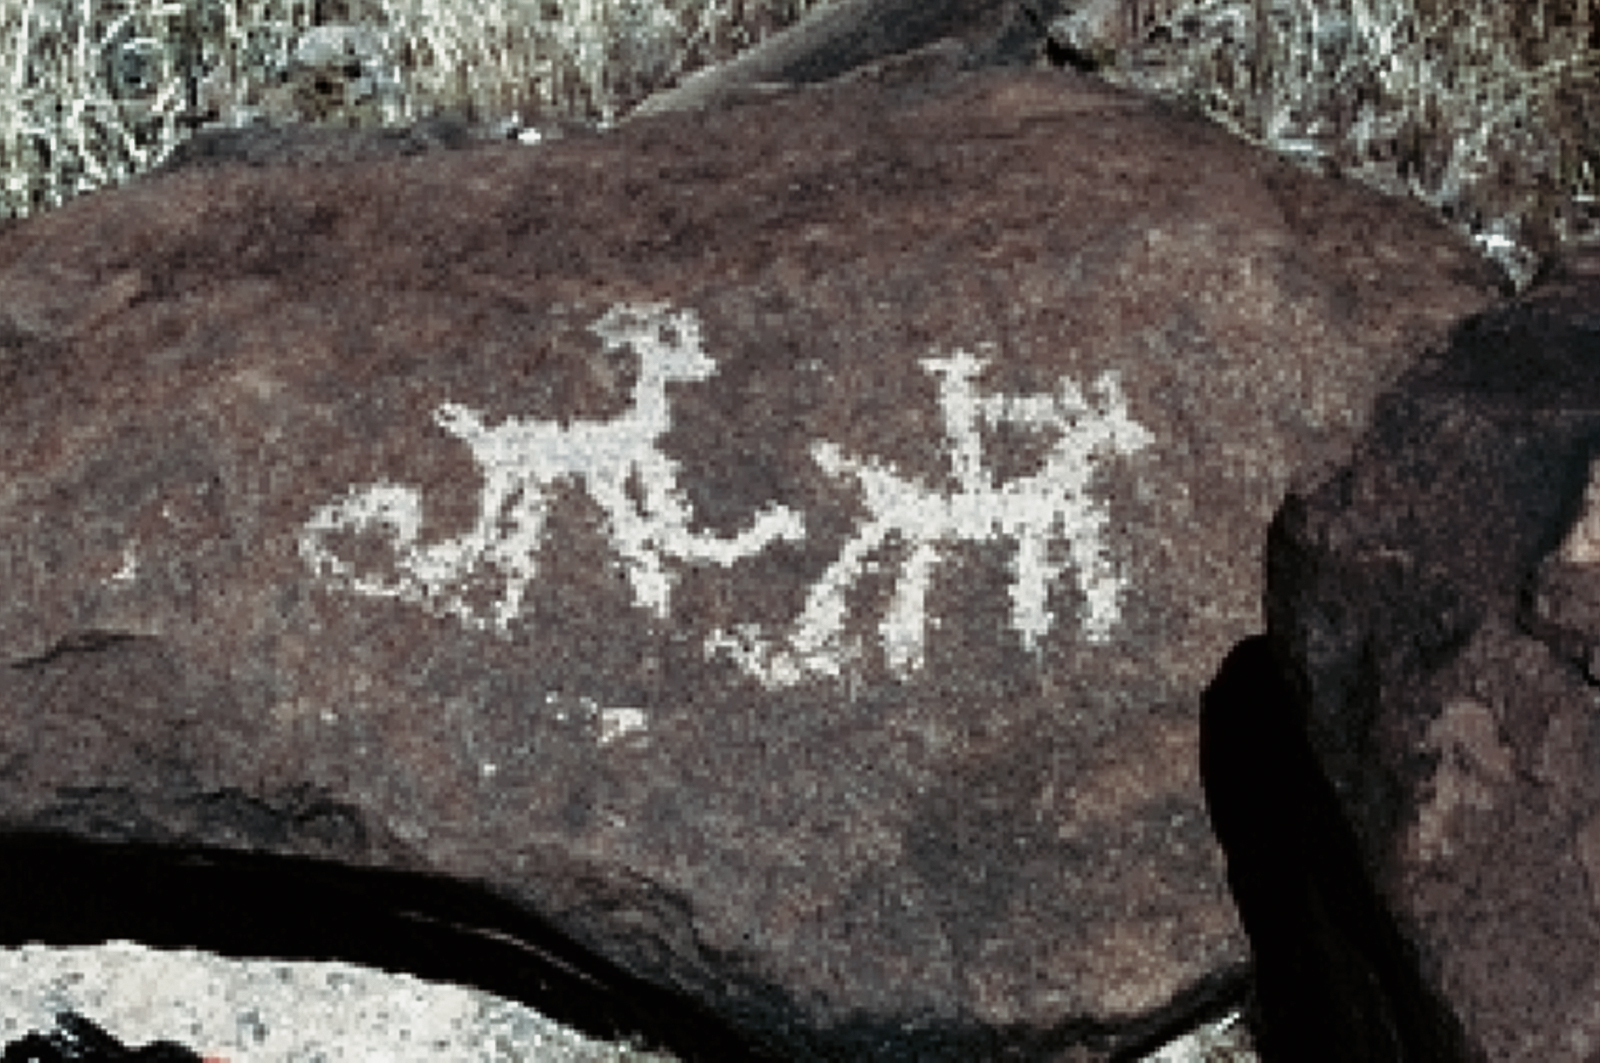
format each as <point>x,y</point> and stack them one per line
<point>1030,510</point>
<point>523,459</point>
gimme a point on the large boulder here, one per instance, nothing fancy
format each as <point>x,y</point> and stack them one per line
<point>782,548</point>
<point>1427,887</point>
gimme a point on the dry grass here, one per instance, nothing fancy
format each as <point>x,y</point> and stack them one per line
<point>96,93</point>
<point>1486,109</point>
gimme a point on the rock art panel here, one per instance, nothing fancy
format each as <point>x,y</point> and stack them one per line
<point>1033,511</point>
<point>521,459</point>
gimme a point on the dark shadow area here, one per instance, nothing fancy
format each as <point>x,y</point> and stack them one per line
<point>79,1040</point>
<point>61,892</point>
<point>1335,980</point>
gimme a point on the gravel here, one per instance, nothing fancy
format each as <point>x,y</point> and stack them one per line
<point>274,1011</point>
<point>270,1011</point>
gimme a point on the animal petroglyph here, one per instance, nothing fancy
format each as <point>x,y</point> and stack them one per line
<point>523,459</point>
<point>1031,510</point>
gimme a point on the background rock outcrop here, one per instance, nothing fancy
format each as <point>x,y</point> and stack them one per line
<point>1432,623</point>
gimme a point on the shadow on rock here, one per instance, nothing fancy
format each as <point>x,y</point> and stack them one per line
<point>1327,961</point>
<point>71,893</point>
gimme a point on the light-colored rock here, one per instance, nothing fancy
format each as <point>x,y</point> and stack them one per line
<point>265,1011</point>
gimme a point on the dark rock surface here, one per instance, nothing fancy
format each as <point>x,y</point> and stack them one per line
<point>80,1040</point>
<point>1433,606</point>
<point>269,145</point>
<point>782,549</point>
<point>1332,979</point>
<point>847,37</point>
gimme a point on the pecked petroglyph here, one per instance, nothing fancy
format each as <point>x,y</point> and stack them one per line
<point>1031,510</point>
<point>523,459</point>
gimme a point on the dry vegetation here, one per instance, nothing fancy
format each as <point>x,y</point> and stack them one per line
<point>93,92</point>
<point>1485,109</point>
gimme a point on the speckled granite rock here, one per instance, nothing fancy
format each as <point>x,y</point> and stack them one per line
<point>261,1011</point>
<point>781,548</point>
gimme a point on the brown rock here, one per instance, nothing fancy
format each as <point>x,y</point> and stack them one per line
<point>783,547</point>
<point>1435,609</point>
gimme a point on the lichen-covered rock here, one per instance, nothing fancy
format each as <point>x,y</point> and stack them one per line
<point>782,547</point>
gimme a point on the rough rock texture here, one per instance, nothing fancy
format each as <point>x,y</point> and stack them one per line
<point>1332,980</point>
<point>308,145</point>
<point>781,548</point>
<point>1089,33</point>
<point>849,36</point>
<point>1433,608</point>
